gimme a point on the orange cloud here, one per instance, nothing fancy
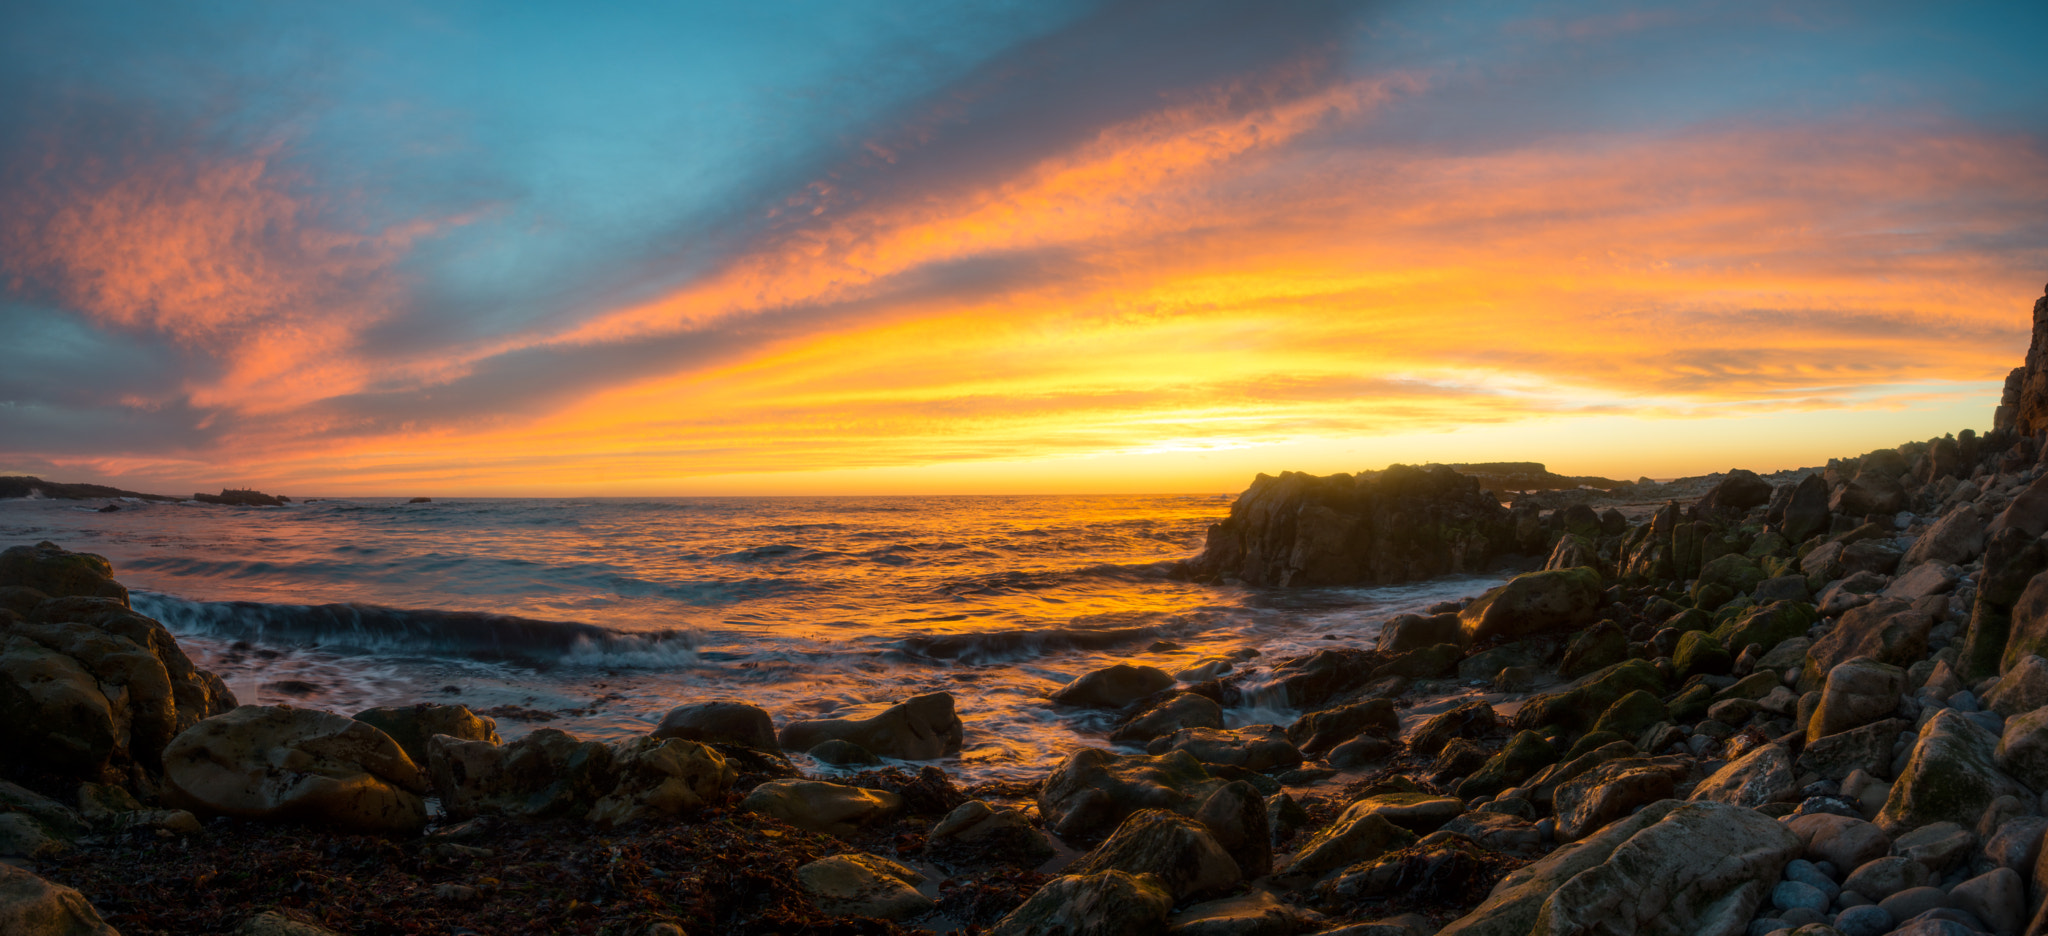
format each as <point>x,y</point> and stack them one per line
<point>219,255</point>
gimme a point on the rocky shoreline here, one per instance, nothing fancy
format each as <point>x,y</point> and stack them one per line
<point>1812,704</point>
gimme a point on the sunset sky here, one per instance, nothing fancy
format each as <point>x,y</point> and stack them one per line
<point>1047,246</point>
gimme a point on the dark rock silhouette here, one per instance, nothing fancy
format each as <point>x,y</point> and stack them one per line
<point>2024,406</point>
<point>242,497</point>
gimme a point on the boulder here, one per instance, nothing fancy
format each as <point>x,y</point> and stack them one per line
<point>1255,747</point>
<point>2029,635</point>
<point>1843,841</point>
<point>1317,732</point>
<point>1094,790</point>
<point>1609,791</point>
<point>821,807</point>
<point>547,773</point>
<point>2022,689</point>
<point>2028,512</point>
<point>1468,720</point>
<point>301,765</point>
<point>1768,625</point>
<point>1311,681</point>
<point>1414,631</point>
<point>1880,878</point>
<point>1576,708</point>
<point>1111,903</point>
<point>1939,846</point>
<point>1402,524</point>
<point>662,777</point>
<point>2011,561</point>
<point>2023,748</point>
<point>31,906</point>
<point>1180,851</point>
<point>1738,491</point>
<point>1887,630</point>
<point>1951,775</point>
<point>919,728</point>
<point>1178,711</point>
<point>1757,778</point>
<point>1005,833</point>
<point>1595,648</point>
<point>1856,693</point>
<point>863,885</point>
<point>1699,653</point>
<point>1632,714</point>
<point>1238,817</point>
<point>1533,603</point>
<point>1113,686</point>
<point>720,722</point>
<point>1732,574</point>
<point>1703,869</point>
<point>412,725</point>
<point>1867,748</point>
<point>1998,897</point>
<point>60,573</point>
<point>1513,905</point>
<point>1806,512</point>
<point>90,689</point>
<point>1924,580</point>
<point>1955,539</point>
<point>1524,754</point>
<point>1358,834</point>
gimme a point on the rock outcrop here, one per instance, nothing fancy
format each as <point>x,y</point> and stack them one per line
<point>89,689</point>
<point>1375,528</point>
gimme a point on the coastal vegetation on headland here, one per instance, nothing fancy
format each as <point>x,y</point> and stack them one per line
<point>1812,704</point>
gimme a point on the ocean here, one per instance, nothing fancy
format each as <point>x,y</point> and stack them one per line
<point>606,612</point>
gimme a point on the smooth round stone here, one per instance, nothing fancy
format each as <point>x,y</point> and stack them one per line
<point>1849,898</point>
<point>1805,872</point>
<point>1767,926</point>
<point>1964,701</point>
<point>1802,916</point>
<point>1866,920</point>
<point>1992,721</point>
<point>1828,868</point>
<point>1793,895</point>
<point>1914,901</point>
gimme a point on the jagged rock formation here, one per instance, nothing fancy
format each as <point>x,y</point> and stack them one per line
<point>2024,406</point>
<point>1528,476</point>
<point>1374,528</point>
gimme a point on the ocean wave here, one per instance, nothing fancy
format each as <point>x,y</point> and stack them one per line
<point>1006,645</point>
<point>362,628</point>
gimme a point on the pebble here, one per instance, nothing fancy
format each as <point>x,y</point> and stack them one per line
<point>1867,920</point>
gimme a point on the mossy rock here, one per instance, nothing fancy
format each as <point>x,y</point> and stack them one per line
<point>1733,574</point>
<point>1432,662</point>
<point>1525,754</point>
<point>1732,608</point>
<point>1698,652</point>
<point>1690,705</point>
<point>1632,714</point>
<point>1590,742</point>
<point>1691,619</point>
<point>1769,625</point>
<point>1595,648</point>
<point>1753,686</point>
<point>1576,708</point>
<point>1768,546</point>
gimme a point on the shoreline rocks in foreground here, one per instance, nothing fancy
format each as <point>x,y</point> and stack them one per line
<point>1814,706</point>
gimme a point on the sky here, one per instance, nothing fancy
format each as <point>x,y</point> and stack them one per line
<point>1039,247</point>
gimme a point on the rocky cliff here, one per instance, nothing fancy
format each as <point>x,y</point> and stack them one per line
<point>2024,407</point>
